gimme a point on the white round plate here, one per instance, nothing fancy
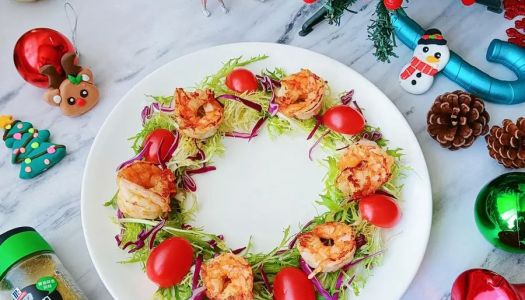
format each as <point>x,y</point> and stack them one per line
<point>261,187</point>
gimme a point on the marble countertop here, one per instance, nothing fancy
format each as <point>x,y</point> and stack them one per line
<point>123,41</point>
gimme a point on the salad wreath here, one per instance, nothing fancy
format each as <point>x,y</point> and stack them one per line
<point>181,136</point>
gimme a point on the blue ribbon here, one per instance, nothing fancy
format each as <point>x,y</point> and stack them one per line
<point>467,76</point>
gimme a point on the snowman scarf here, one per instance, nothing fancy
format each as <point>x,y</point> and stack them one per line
<point>417,65</point>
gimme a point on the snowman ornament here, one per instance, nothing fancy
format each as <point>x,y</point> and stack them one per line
<point>430,56</point>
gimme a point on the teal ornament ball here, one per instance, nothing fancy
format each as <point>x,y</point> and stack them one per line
<point>500,212</point>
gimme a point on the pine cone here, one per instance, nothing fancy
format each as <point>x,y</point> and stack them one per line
<point>507,144</point>
<point>456,119</point>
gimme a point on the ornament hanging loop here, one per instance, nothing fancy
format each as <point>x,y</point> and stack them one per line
<point>72,19</point>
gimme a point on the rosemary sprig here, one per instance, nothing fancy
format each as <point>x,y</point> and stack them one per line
<point>381,32</point>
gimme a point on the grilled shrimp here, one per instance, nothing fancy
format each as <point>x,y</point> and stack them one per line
<point>145,190</point>
<point>228,277</point>
<point>301,95</point>
<point>328,247</point>
<point>364,168</point>
<point>198,113</point>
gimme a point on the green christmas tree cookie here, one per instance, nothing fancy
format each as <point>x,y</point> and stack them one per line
<point>31,148</point>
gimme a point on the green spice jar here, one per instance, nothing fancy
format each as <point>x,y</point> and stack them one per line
<point>30,270</point>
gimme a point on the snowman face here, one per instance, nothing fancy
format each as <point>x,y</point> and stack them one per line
<point>435,55</point>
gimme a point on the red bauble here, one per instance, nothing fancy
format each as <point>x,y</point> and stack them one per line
<point>468,2</point>
<point>393,4</point>
<point>37,48</point>
<point>310,1</point>
<point>481,284</point>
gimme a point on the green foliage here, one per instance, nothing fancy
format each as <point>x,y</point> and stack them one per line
<point>381,32</point>
<point>336,9</point>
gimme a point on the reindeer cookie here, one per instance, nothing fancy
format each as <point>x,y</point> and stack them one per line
<point>75,92</point>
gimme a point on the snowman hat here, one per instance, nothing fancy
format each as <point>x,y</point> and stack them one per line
<point>432,37</point>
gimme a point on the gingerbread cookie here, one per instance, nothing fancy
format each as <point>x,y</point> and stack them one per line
<point>31,148</point>
<point>75,94</point>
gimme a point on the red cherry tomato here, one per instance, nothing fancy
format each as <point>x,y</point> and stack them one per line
<point>156,150</point>
<point>169,262</point>
<point>292,284</point>
<point>344,119</point>
<point>380,210</point>
<point>242,80</point>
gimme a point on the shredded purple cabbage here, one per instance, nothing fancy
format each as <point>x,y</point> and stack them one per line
<point>359,260</point>
<point>269,85</point>
<point>373,136</point>
<point>171,150</point>
<point>201,170</point>
<point>265,279</point>
<point>294,240</point>
<point>148,110</point>
<point>188,183</point>
<point>142,236</point>
<point>196,273</point>
<point>240,135</point>
<point>137,157</point>
<point>317,284</point>
<point>360,241</point>
<point>316,143</point>
<point>248,103</point>
<point>198,293</point>
<point>347,98</point>
<point>256,127</point>
<point>238,251</point>
<point>200,155</point>
<point>318,121</point>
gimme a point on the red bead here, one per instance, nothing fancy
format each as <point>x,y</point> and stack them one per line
<point>468,2</point>
<point>393,4</point>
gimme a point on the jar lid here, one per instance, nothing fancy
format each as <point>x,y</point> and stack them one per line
<point>19,243</point>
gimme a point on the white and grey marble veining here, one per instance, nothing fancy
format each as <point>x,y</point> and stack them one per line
<point>123,41</point>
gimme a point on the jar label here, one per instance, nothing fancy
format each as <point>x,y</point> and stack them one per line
<point>44,289</point>
<point>48,284</point>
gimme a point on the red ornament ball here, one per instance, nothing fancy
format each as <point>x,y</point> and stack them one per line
<point>393,4</point>
<point>310,1</point>
<point>39,47</point>
<point>468,2</point>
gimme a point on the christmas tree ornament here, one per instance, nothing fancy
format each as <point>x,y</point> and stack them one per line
<point>500,212</point>
<point>506,144</point>
<point>310,1</point>
<point>30,147</point>
<point>393,4</point>
<point>74,92</point>
<point>431,55</point>
<point>482,284</point>
<point>207,13</point>
<point>39,47</point>
<point>457,119</point>
<point>469,77</point>
<point>513,9</point>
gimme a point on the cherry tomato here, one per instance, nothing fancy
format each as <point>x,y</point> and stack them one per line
<point>169,262</point>
<point>344,119</point>
<point>380,210</point>
<point>156,150</point>
<point>292,284</point>
<point>242,80</point>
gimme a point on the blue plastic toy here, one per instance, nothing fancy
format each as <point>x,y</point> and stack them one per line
<point>469,77</point>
